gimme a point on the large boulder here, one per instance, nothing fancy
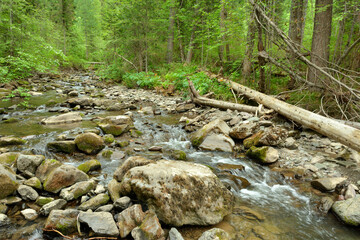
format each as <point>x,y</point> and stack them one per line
<point>116,125</point>
<point>62,146</point>
<point>348,210</point>
<point>77,190</point>
<point>63,119</point>
<point>63,176</point>
<point>89,143</point>
<point>217,126</point>
<point>63,221</point>
<point>29,163</point>
<point>179,192</point>
<point>129,163</point>
<point>101,223</point>
<point>263,155</point>
<point>8,183</point>
<point>8,141</point>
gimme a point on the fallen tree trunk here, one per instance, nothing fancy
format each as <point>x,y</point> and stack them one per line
<point>196,98</point>
<point>331,128</point>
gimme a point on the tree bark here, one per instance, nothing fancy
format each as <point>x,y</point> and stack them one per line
<point>262,62</point>
<point>191,46</point>
<point>321,39</point>
<point>296,30</point>
<point>170,44</point>
<point>331,128</point>
<point>196,98</point>
<point>224,48</point>
<point>250,41</point>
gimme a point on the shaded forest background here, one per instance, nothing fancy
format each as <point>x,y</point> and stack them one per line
<point>306,52</point>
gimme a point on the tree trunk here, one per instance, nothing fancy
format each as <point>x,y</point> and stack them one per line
<point>191,46</point>
<point>170,45</point>
<point>331,128</point>
<point>250,41</point>
<point>222,31</point>
<point>296,30</point>
<point>262,62</point>
<point>321,38</point>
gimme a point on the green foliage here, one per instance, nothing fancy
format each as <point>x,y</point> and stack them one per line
<point>21,93</point>
<point>145,80</point>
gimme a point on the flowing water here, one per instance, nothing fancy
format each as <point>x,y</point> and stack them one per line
<point>288,212</point>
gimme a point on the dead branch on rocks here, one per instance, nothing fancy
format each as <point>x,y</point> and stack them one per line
<point>331,128</point>
<point>196,98</point>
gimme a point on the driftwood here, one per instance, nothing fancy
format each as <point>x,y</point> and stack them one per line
<point>196,98</point>
<point>331,128</point>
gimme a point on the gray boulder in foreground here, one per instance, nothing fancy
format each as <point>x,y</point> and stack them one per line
<point>179,192</point>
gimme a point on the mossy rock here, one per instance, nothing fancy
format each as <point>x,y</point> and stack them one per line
<point>46,167</point>
<point>41,201</point>
<point>135,133</point>
<point>178,155</point>
<point>253,140</point>
<point>109,138</point>
<point>90,165</point>
<point>107,153</point>
<point>8,141</point>
<point>89,143</point>
<point>11,120</point>
<point>216,126</point>
<point>34,182</point>
<point>62,146</point>
<point>9,158</point>
<point>263,155</point>
<point>122,144</point>
<point>8,183</point>
<point>95,202</point>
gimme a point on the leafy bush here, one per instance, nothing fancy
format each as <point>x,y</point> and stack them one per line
<point>145,80</point>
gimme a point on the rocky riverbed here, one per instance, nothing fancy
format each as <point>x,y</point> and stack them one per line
<point>94,159</point>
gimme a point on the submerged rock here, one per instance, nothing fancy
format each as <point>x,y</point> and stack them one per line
<point>215,234</point>
<point>63,176</point>
<point>263,155</point>
<point>101,223</point>
<point>348,210</point>
<point>89,143</point>
<point>63,118</point>
<point>64,221</point>
<point>179,192</point>
<point>62,146</point>
<point>8,141</point>
<point>116,125</point>
<point>8,183</point>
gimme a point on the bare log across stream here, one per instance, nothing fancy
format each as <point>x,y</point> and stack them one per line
<point>331,128</point>
<point>196,98</point>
